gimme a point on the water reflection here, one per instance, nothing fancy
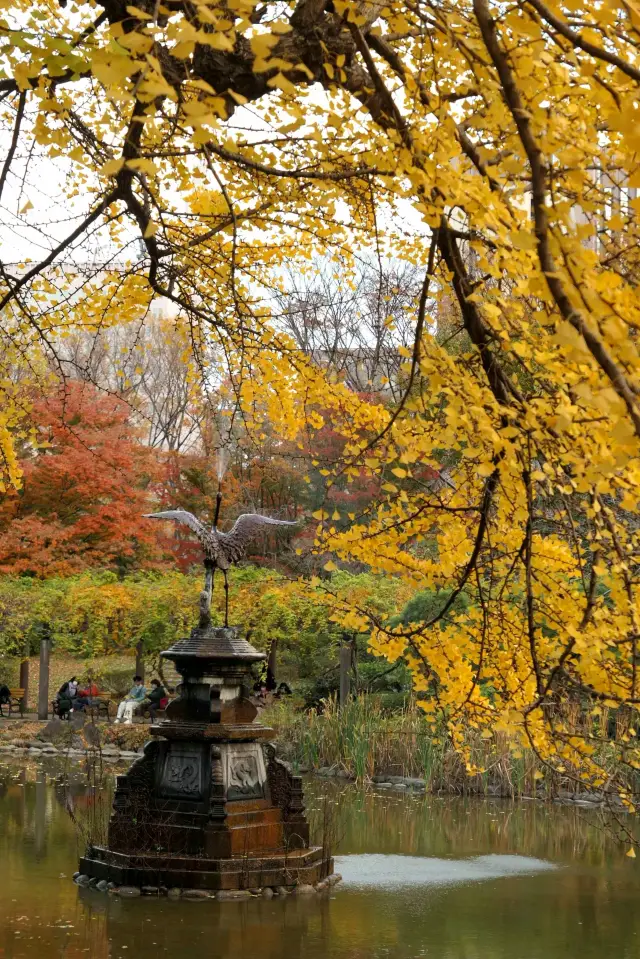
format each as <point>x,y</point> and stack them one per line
<point>474,895</point>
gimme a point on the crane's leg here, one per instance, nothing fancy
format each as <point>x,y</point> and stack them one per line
<point>226,598</point>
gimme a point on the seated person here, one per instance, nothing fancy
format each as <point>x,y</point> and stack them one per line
<point>156,698</point>
<point>64,700</point>
<point>5,697</point>
<point>86,697</point>
<point>133,699</point>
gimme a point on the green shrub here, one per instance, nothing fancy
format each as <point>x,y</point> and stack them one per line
<point>9,671</point>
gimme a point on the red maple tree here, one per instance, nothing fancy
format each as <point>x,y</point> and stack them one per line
<point>86,485</point>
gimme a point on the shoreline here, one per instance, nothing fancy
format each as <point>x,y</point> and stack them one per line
<point>21,748</point>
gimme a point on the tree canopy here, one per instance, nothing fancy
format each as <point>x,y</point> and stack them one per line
<point>200,147</point>
<point>84,489</point>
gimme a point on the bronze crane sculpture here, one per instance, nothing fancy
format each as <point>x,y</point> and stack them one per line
<point>220,549</point>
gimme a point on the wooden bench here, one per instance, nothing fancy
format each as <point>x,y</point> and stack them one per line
<point>16,702</point>
<point>144,711</point>
<point>101,708</point>
<point>55,710</point>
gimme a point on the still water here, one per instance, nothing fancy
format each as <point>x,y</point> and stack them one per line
<point>423,877</point>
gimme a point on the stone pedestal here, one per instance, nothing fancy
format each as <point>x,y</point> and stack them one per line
<point>208,805</point>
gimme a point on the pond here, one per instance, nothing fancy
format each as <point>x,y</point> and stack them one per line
<point>423,876</point>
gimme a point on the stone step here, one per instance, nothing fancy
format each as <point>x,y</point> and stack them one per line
<point>153,860</point>
<point>286,871</point>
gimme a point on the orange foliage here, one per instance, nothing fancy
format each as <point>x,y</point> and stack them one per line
<point>86,485</point>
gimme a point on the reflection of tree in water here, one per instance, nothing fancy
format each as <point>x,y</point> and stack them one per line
<point>585,909</point>
<point>86,793</point>
<point>441,825</point>
<point>264,929</point>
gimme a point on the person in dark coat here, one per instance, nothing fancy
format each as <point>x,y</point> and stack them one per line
<point>5,697</point>
<point>64,700</point>
<point>156,698</point>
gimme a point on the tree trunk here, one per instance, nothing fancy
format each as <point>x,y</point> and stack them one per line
<point>24,676</point>
<point>43,684</point>
<point>272,681</point>
<point>354,661</point>
<point>345,674</point>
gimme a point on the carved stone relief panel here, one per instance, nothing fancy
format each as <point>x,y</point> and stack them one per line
<point>183,771</point>
<point>244,771</point>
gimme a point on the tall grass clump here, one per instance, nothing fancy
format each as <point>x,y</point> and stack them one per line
<point>363,740</point>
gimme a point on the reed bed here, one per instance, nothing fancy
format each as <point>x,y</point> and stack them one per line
<point>363,741</point>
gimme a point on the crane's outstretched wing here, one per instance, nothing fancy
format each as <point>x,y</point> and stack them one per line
<point>245,528</point>
<point>183,517</point>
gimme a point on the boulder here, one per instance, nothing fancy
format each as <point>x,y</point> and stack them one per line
<point>174,893</point>
<point>304,889</point>
<point>226,895</point>
<point>415,783</point>
<point>267,892</point>
<point>92,735</point>
<point>334,878</point>
<point>128,892</point>
<point>103,885</point>
<point>55,731</point>
<point>150,890</point>
<point>196,894</point>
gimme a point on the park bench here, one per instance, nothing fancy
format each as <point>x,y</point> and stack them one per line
<point>145,713</point>
<point>55,710</point>
<point>101,708</point>
<point>15,704</point>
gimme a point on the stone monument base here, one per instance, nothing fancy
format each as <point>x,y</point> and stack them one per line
<point>296,868</point>
<point>208,806</point>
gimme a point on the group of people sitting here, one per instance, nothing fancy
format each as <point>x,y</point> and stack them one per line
<point>139,696</point>
<point>72,699</point>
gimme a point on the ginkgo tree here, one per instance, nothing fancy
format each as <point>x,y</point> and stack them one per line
<point>203,144</point>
